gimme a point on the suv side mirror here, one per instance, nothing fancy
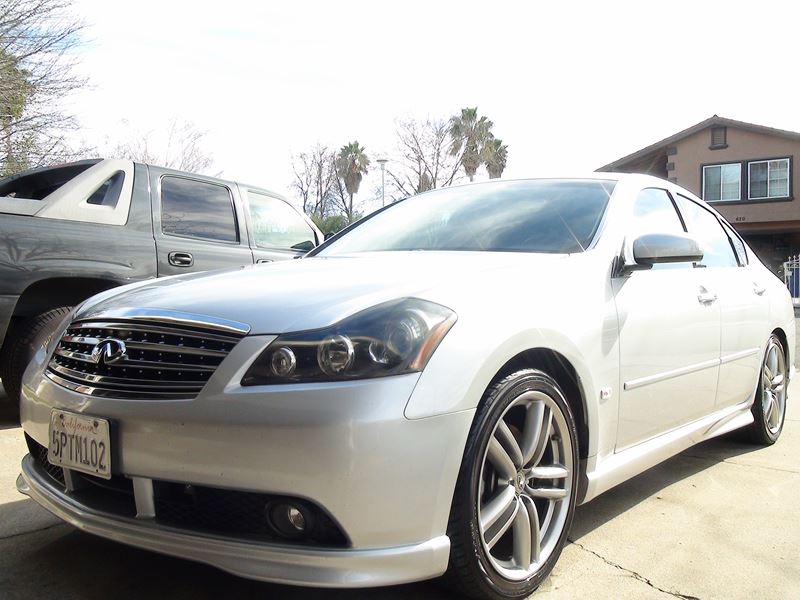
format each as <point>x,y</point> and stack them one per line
<point>655,248</point>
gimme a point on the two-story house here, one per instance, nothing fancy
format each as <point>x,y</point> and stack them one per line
<point>745,171</point>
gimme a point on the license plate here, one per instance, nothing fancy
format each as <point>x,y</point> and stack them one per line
<point>81,443</point>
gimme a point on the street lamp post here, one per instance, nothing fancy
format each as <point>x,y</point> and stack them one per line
<point>382,162</point>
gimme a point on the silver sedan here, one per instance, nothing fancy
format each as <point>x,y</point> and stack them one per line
<point>430,393</point>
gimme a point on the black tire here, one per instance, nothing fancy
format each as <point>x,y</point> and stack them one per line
<point>471,571</point>
<point>21,344</point>
<point>764,431</point>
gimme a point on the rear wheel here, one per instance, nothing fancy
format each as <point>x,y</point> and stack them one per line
<point>515,497</point>
<point>769,407</point>
<point>21,344</point>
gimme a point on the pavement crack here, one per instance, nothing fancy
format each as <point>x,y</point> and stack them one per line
<point>21,533</point>
<point>633,574</point>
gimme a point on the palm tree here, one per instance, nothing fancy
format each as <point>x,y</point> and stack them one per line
<point>351,166</point>
<point>495,156</point>
<point>468,135</point>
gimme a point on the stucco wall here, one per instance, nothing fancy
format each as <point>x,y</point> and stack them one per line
<point>743,146</point>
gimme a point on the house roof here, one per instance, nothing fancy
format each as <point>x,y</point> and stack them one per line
<point>710,122</point>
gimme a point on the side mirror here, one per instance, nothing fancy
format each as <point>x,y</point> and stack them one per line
<point>329,235</point>
<point>655,248</point>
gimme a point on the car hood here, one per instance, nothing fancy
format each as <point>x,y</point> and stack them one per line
<point>316,292</point>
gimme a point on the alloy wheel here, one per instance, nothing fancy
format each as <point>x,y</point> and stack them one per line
<point>525,485</point>
<point>773,381</point>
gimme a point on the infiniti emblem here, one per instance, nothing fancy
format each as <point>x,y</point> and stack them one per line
<point>108,351</point>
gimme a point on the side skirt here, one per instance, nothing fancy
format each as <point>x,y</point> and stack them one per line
<point>616,468</point>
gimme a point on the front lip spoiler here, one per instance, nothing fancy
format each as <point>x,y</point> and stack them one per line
<point>267,562</point>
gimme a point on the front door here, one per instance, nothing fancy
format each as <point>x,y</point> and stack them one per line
<point>669,335</point>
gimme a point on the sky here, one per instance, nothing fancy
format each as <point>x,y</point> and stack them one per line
<point>570,86</point>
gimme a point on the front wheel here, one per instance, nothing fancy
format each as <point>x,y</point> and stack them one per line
<point>515,496</point>
<point>769,406</point>
<point>21,344</point>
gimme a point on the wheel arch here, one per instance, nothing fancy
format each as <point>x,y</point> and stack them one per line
<point>46,294</point>
<point>784,341</point>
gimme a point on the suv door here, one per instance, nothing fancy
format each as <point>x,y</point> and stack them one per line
<point>669,334</point>
<point>744,305</point>
<point>197,225</point>
<point>277,230</point>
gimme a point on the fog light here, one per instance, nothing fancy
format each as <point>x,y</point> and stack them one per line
<point>283,362</point>
<point>290,520</point>
<point>296,518</point>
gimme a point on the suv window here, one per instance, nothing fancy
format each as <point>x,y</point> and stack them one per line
<point>197,209</point>
<point>706,229</point>
<point>108,192</point>
<point>278,225</point>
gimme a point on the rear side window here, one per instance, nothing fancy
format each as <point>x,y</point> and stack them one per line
<point>278,225</point>
<point>704,226</point>
<point>198,209</point>
<point>738,244</point>
<point>108,193</point>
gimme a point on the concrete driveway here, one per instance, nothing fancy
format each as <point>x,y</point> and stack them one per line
<point>721,520</point>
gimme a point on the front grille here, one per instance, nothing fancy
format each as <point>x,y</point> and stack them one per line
<point>138,359</point>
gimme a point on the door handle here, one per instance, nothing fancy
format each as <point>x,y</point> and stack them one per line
<point>180,259</point>
<point>706,297</point>
<point>262,261</point>
<point>758,289</point>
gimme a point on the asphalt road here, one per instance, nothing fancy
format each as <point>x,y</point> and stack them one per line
<point>721,520</point>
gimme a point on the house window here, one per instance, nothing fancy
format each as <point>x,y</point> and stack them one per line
<point>722,182</point>
<point>769,179</point>
<point>719,137</point>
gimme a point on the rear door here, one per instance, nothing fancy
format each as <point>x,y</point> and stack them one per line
<point>277,230</point>
<point>198,224</point>
<point>742,299</point>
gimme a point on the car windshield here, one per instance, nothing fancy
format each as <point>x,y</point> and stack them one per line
<point>545,215</point>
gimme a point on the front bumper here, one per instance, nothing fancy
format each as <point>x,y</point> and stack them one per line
<point>386,481</point>
<point>276,563</point>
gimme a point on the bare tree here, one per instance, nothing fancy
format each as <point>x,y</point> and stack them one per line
<point>424,161</point>
<point>315,179</point>
<point>37,39</point>
<point>178,146</point>
<point>318,184</point>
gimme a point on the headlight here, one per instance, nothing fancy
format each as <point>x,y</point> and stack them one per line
<point>389,339</point>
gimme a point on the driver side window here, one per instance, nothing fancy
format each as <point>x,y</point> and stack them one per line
<point>654,212</point>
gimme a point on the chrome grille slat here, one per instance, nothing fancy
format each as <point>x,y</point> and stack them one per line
<point>120,394</point>
<point>145,360</point>
<point>157,329</point>
<point>89,378</point>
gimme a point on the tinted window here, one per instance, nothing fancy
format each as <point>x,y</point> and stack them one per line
<point>108,193</point>
<point>706,229</point>
<point>738,244</point>
<point>278,225</point>
<point>653,212</point>
<point>557,216</point>
<point>197,209</point>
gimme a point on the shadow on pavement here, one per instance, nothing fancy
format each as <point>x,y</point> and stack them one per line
<point>625,496</point>
<point>9,415</point>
